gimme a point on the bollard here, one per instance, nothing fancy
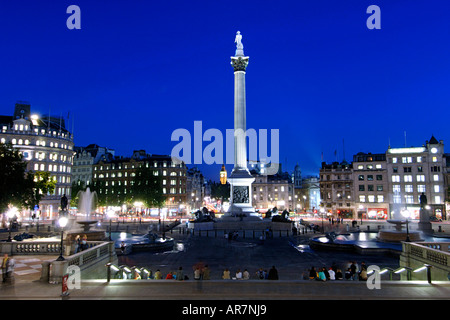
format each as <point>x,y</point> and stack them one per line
<point>45,271</point>
<point>428,273</point>
<point>368,228</point>
<point>108,272</point>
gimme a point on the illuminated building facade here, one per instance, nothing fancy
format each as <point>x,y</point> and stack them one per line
<point>46,146</point>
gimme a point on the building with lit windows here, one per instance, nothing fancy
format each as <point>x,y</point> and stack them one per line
<point>337,189</point>
<point>386,185</point>
<point>270,191</point>
<point>114,177</point>
<point>416,170</point>
<point>46,146</point>
<point>371,187</point>
<point>84,160</point>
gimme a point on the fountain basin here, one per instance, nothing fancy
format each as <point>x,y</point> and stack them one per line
<point>85,230</point>
<point>398,236</point>
<point>366,243</point>
<point>358,242</point>
<point>146,242</point>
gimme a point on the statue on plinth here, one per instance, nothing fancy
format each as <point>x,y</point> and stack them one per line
<point>424,223</point>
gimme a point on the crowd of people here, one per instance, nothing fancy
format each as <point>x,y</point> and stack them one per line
<point>352,271</point>
<point>202,272</point>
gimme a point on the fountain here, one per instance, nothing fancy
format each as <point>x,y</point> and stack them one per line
<point>399,234</point>
<point>86,204</point>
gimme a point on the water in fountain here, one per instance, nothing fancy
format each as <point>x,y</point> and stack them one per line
<point>87,202</point>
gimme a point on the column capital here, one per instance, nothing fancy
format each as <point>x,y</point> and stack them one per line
<point>239,63</point>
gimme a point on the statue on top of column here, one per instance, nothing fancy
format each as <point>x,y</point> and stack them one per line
<point>238,41</point>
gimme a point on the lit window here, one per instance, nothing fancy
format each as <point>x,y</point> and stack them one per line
<point>420,178</point>
<point>380,198</point>
<point>409,199</point>
<point>362,198</point>
<point>420,188</point>
<point>406,159</point>
<point>408,188</point>
<point>407,178</point>
<point>371,198</point>
<point>397,198</point>
<point>436,188</point>
<point>395,178</point>
<point>435,177</point>
<point>434,159</point>
<point>394,160</point>
<point>437,199</point>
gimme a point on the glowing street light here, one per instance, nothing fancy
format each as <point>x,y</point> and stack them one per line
<point>62,223</point>
<point>406,214</point>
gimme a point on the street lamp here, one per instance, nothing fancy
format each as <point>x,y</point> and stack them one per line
<point>322,211</point>
<point>62,223</point>
<point>110,213</point>
<point>10,214</point>
<point>406,214</point>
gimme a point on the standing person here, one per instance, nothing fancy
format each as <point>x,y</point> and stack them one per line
<point>273,274</point>
<point>5,266</point>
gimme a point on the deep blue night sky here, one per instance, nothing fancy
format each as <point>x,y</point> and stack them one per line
<point>138,70</point>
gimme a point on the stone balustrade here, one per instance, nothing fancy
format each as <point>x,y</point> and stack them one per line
<point>416,254</point>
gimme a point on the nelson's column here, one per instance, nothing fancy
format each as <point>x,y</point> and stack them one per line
<point>240,178</point>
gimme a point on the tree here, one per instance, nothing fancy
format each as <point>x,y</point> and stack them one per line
<point>43,184</point>
<point>220,191</point>
<point>147,188</point>
<point>16,185</point>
